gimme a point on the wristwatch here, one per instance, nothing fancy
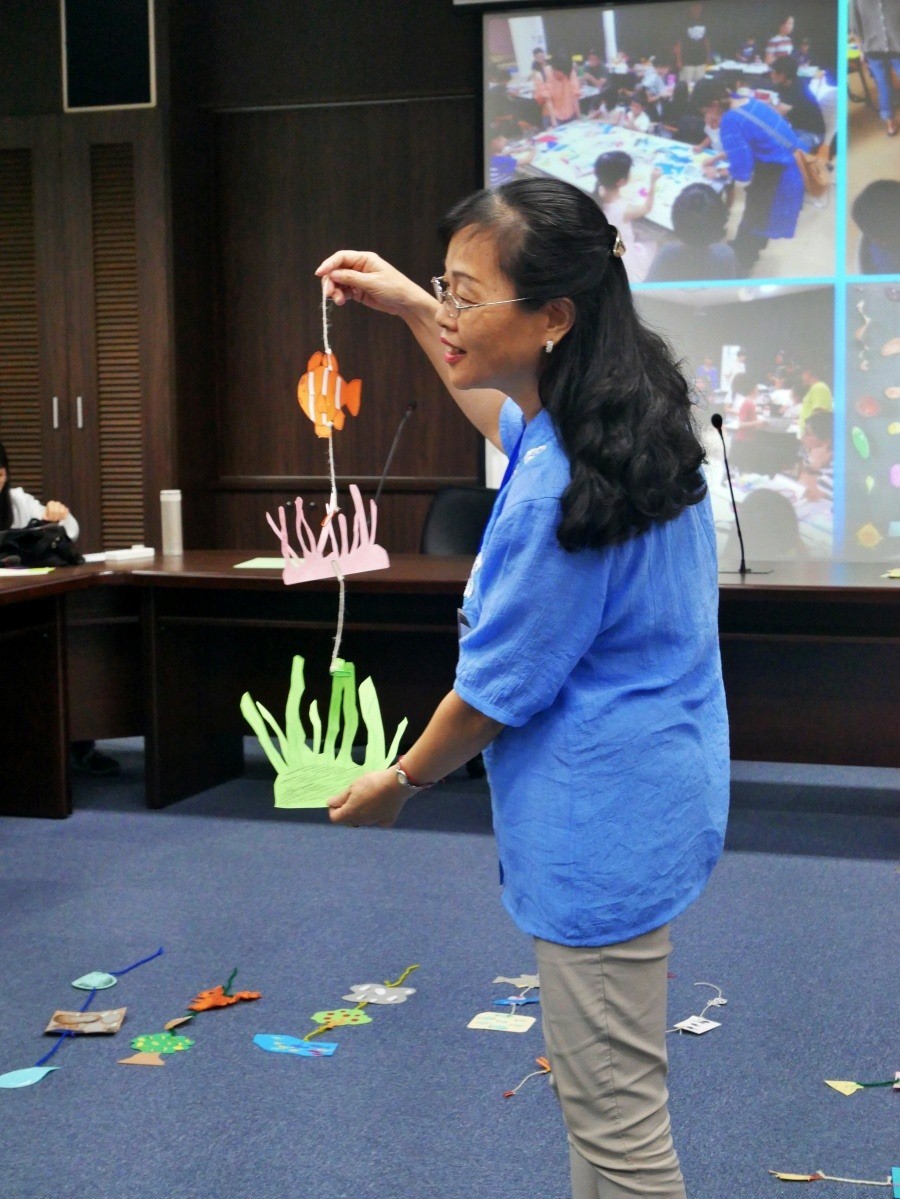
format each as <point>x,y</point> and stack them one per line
<point>406,781</point>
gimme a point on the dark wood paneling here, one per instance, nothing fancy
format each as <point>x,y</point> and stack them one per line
<point>104,663</point>
<point>30,63</point>
<point>284,51</point>
<point>292,187</point>
<point>33,717</point>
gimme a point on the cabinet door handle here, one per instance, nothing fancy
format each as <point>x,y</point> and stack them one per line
<point>56,412</point>
<point>79,412</point>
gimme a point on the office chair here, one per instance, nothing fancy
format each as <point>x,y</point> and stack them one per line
<point>455,524</point>
<point>456,520</point>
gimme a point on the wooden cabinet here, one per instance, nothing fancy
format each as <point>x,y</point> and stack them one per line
<point>84,347</point>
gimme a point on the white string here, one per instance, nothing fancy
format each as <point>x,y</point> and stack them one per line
<point>332,509</point>
<point>342,603</point>
<point>325,341</point>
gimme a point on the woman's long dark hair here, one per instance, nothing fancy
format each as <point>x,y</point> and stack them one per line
<point>618,399</point>
<point>5,497</point>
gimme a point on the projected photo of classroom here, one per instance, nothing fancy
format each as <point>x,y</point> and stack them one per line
<point>705,131</point>
<point>761,357</point>
<point>872,433</point>
<point>873,159</point>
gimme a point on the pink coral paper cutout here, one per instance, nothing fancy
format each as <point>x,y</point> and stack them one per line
<point>332,550</point>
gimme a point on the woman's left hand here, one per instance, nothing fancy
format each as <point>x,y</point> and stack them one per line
<point>376,798</point>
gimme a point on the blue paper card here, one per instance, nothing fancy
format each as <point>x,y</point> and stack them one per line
<point>517,1000</point>
<point>280,1043</point>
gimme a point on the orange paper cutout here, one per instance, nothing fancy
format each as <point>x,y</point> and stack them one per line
<point>324,396</point>
<point>216,997</point>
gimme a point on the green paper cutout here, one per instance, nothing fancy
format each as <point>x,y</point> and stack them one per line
<point>161,1042</point>
<point>96,980</point>
<point>860,441</point>
<point>260,564</point>
<point>338,1017</point>
<point>308,776</point>
<point>25,1078</point>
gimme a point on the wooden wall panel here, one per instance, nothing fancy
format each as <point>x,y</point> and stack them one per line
<point>20,392</point>
<point>292,186</point>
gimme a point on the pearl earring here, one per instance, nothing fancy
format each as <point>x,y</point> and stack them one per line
<point>548,348</point>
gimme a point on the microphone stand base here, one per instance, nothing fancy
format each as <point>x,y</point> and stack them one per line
<point>750,570</point>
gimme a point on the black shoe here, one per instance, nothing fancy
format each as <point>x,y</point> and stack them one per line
<point>95,762</point>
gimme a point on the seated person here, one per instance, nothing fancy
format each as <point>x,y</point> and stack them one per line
<point>816,464</point>
<point>17,509</point>
<point>818,396</point>
<point>708,372</point>
<point>504,161</point>
<point>594,73</point>
<point>770,527</point>
<point>650,80</point>
<point>612,171</point>
<point>803,54</point>
<point>749,52</point>
<point>637,116</point>
<point>797,104</point>
<point>875,213</point>
<point>699,217</point>
<point>748,395</point>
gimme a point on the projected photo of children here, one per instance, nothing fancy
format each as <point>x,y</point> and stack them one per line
<point>692,125</point>
<point>873,159</point>
<point>761,358</point>
<point>872,438</point>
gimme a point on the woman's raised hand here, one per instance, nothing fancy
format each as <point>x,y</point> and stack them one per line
<point>362,276</point>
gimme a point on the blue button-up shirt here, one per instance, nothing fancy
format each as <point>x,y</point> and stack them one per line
<point>610,782</point>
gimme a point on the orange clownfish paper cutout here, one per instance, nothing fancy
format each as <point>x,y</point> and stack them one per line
<point>216,997</point>
<point>324,396</point>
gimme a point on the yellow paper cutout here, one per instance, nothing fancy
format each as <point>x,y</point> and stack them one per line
<point>796,1177</point>
<point>845,1088</point>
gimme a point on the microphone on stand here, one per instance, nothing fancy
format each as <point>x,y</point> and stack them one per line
<point>410,409</point>
<point>743,569</point>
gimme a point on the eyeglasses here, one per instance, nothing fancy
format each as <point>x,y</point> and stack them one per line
<point>445,296</point>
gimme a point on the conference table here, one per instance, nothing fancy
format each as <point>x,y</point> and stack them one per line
<point>166,647</point>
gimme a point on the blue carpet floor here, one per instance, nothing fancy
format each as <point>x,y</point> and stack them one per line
<point>798,927</point>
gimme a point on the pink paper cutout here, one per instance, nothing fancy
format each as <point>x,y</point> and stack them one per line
<point>320,555</point>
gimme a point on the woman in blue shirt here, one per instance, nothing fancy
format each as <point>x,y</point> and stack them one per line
<point>760,146</point>
<point>589,668</point>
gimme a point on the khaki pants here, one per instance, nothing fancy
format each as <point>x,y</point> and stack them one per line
<point>691,75</point>
<point>604,1015</point>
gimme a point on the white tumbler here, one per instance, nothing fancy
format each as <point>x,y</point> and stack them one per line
<point>170,506</point>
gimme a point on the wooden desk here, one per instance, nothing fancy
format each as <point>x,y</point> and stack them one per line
<point>811,655</point>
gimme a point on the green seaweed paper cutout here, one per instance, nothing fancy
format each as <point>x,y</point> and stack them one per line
<point>308,775</point>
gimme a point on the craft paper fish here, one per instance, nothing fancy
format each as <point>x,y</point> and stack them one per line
<point>324,396</point>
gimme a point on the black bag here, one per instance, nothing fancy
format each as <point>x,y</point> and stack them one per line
<point>39,543</point>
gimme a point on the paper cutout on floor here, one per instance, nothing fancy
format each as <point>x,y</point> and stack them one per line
<point>891,347</point>
<point>523,981</point>
<point>172,1024</point>
<point>97,980</point>
<point>215,997</point>
<point>500,1022</point>
<point>87,1023</point>
<point>894,426</point>
<point>845,1088</point>
<point>516,1000</point>
<point>143,1059</point>
<point>697,1025</point>
<point>324,396</point>
<point>309,777</point>
<point>161,1042</point>
<point>277,1043</point>
<point>332,547</point>
<point>376,993</point>
<point>544,1068</point>
<point>338,1017</point>
<point>25,1078</point>
<point>818,1176</point>
<point>868,406</point>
